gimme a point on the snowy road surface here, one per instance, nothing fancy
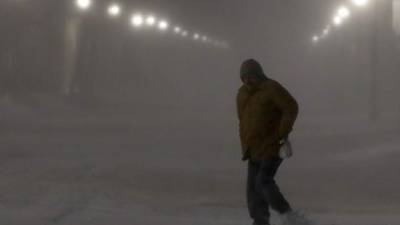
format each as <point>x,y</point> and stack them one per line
<point>120,169</point>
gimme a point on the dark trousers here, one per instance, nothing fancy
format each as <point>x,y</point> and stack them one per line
<point>263,192</point>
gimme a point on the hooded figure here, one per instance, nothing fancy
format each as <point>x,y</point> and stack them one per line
<point>252,67</point>
<point>266,112</point>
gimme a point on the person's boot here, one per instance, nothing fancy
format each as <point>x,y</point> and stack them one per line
<point>294,218</point>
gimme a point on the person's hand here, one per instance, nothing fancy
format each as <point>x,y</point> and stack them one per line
<point>246,156</point>
<point>286,150</point>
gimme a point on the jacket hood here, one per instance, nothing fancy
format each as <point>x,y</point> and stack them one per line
<point>252,67</point>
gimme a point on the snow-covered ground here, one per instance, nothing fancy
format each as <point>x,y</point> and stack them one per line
<point>121,166</point>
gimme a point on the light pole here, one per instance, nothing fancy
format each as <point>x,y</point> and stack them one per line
<point>374,55</point>
<point>72,28</point>
<point>73,24</point>
<point>374,61</point>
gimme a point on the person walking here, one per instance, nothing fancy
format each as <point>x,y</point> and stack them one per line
<point>267,113</point>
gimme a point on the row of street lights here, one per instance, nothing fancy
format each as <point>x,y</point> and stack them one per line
<point>139,21</point>
<point>341,15</point>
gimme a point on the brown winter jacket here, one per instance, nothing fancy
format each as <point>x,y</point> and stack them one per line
<point>266,116</point>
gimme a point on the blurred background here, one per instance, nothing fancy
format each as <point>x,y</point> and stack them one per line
<point>124,111</point>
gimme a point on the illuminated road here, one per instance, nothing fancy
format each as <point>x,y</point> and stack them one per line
<point>100,169</point>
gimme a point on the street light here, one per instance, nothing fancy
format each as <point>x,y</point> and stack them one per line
<point>177,30</point>
<point>337,20</point>
<point>83,4</point>
<point>343,12</point>
<point>327,30</point>
<point>196,36</point>
<point>137,20</point>
<point>163,25</point>
<point>114,10</point>
<point>150,21</point>
<point>185,33</point>
<point>360,2</point>
<point>315,39</point>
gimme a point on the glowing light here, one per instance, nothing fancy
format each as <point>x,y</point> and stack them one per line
<point>114,10</point>
<point>185,33</point>
<point>137,20</point>
<point>150,20</point>
<point>204,38</point>
<point>337,20</point>
<point>315,39</point>
<point>83,4</point>
<point>196,36</point>
<point>177,30</point>
<point>163,25</point>
<point>343,12</point>
<point>360,2</point>
<point>326,31</point>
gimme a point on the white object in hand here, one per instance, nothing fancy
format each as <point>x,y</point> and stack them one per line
<point>286,149</point>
